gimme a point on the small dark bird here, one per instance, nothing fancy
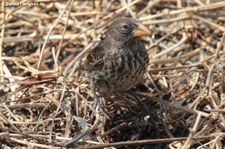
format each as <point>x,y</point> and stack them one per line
<point>120,60</point>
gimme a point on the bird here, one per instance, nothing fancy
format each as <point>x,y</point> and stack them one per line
<point>119,62</point>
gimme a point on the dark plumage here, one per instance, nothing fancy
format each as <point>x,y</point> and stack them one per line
<point>120,60</point>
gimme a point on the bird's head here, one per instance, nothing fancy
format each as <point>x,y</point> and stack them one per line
<point>124,29</point>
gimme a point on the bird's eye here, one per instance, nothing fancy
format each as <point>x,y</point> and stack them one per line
<point>125,26</point>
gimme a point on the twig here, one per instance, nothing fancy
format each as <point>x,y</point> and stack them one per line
<point>151,141</point>
<point>75,61</point>
<point>128,8</point>
<point>49,32</point>
<point>220,46</point>
<point>174,68</point>
<point>184,38</point>
<point>210,22</point>
<point>114,129</point>
<point>1,39</point>
<point>166,103</point>
<point>208,7</point>
<point>63,34</point>
<point>29,144</point>
<point>193,130</point>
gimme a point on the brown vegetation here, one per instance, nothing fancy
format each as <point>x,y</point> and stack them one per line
<point>45,99</point>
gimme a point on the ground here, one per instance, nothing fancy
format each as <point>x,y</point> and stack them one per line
<point>46,100</point>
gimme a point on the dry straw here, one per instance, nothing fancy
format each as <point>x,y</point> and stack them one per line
<point>45,99</point>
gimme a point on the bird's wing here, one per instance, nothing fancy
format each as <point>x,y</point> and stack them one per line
<point>94,59</point>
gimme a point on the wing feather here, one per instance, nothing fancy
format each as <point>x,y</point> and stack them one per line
<point>94,60</point>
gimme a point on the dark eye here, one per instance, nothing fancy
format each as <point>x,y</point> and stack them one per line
<point>125,26</point>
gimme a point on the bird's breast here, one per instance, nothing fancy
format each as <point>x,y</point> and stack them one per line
<point>123,70</point>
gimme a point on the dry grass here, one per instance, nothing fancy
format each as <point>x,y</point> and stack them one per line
<point>45,98</point>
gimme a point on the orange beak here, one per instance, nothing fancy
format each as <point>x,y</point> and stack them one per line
<point>141,31</point>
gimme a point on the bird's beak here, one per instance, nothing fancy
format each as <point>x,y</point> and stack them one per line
<point>141,31</point>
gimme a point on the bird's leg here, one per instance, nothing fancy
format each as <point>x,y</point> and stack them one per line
<point>145,108</point>
<point>97,101</point>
